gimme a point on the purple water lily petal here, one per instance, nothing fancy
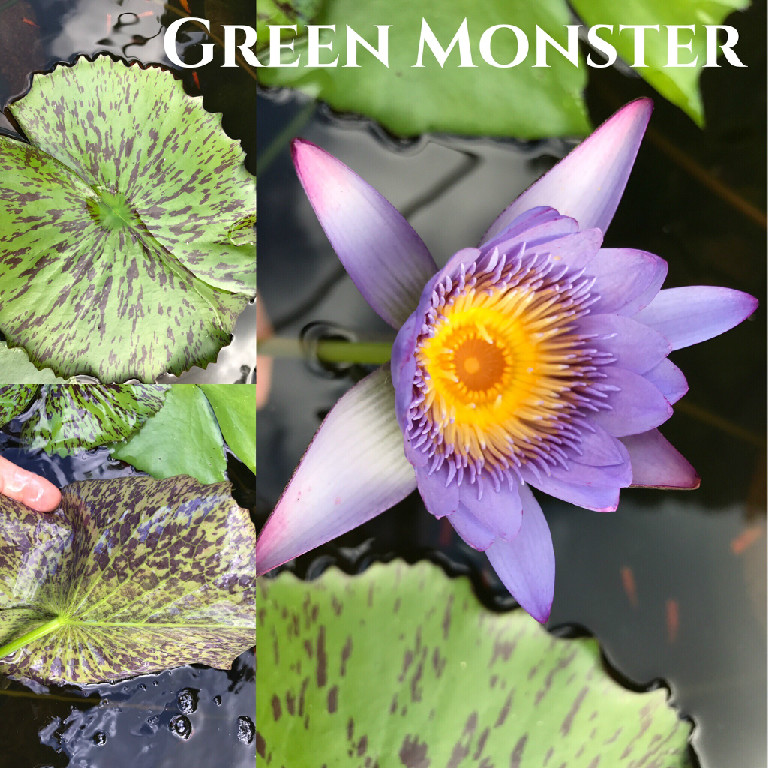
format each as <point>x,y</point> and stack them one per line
<point>478,535</point>
<point>636,405</point>
<point>526,565</point>
<point>588,183</point>
<point>686,316</point>
<point>626,279</point>
<point>669,380</point>
<point>656,463</point>
<point>353,470</point>
<point>599,449</point>
<point>441,497</point>
<point>633,345</point>
<point>501,510</point>
<point>598,498</point>
<point>382,253</point>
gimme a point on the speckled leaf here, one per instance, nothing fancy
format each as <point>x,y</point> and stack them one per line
<point>182,439</point>
<point>127,576</point>
<point>524,102</point>
<point>679,84</point>
<point>76,417</point>
<point>403,666</point>
<point>15,368</point>
<point>235,409</point>
<point>14,400</point>
<point>122,224</point>
<point>277,12</point>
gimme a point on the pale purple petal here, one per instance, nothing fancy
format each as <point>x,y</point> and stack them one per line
<point>471,530</point>
<point>353,470</point>
<point>526,565</point>
<point>686,316</point>
<point>669,380</point>
<point>634,346</point>
<point>636,405</point>
<point>657,464</point>
<point>382,253</point>
<point>441,497</point>
<point>599,449</point>
<point>626,279</point>
<point>499,510</point>
<point>598,498</point>
<point>587,185</point>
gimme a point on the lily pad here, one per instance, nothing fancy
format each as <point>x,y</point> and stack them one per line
<point>182,439</point>
<point>126,224</point>
<point>678,84</point>
<point>127,576</point>
<point>74,417</point>
<point>523,102</point>
<point>362,671</point>
<point>235,408</point>
<point>14,400</point>
<point>15,368</point>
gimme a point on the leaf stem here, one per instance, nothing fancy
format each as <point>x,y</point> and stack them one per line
<point>330,351</point>
<point>32,635</point>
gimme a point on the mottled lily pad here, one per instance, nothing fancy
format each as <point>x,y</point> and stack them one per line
<point>14,400</point>
<point>126,224</point>
<point>74,417</point>
<point>127,576</point>
<point>403,666</point>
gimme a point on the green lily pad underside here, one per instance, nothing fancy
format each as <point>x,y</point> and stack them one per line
<point>364,671</point>
<point>121,224</point>
<point>524,102</point>
<point>15,368</point>
<point>126,577</point>
<point>74,417</point>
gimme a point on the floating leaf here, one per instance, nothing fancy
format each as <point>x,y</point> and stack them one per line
<point>75,417</point>
<point>679,84</point>
<point>270,12</point>
<point>182,439</point>
<point>524,102</point>
<point>14,400</point>
<point>127,576</point>
<point>16,368</point>
<point>363,671</point>
<point>121,224</point>
<point>235,409</point>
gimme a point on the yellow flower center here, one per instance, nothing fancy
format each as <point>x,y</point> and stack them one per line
<point>502,367</point>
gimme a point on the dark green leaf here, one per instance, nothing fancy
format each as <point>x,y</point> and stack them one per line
<point>235,409</point>
<point>679,84</point>
<point>122,224</point>
<point>75,417</point>
<point>403,666</point>
<point>128,576</point>
<point>182,439</point>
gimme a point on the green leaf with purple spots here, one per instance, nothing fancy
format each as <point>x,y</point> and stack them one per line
<point>15,368</point>
<point>126,577</point>
<point>363,671</point>
<point>126,224</point>
<point>182,439</point>
<point>76,417</point>
<point>14,400</point>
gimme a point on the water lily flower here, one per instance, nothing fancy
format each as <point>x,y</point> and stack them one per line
<point>537,360</point>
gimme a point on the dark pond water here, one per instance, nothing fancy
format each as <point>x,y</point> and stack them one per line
<point>673,584</point>
<point>193,716</point>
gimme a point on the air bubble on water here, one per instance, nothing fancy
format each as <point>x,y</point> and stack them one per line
<point>187,700</point>
<point>99,738</point>
<point>180,726</point>
<point>246,730</point>
<point>217,700</point>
